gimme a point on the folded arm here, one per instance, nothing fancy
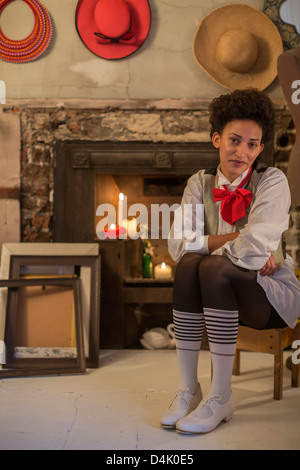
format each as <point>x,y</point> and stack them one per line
<point>252,247</point>
<point>268,219</point>
<point>217,241</point>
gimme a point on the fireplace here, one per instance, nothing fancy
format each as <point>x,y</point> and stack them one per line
<point>90,173</point>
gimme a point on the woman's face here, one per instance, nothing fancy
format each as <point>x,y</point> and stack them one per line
<point>239,145</point>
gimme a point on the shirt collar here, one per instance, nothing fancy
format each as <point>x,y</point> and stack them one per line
<point>222,180</point>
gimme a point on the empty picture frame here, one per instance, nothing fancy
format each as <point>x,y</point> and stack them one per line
<point>32,365</point>
<point>46,259</point>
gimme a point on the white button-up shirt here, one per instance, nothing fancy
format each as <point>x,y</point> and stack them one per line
<point>268,219</point>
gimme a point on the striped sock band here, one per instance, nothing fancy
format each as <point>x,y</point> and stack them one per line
<point>222,326</point>
<point>188,329</point>
<point>222,330</point>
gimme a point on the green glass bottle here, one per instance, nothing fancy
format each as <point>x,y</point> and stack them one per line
<point>147,260</point>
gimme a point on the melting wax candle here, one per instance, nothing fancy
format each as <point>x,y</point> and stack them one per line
<point>162,271</point>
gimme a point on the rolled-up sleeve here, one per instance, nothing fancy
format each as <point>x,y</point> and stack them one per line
<point>187,231</point>
<point>268,219</point>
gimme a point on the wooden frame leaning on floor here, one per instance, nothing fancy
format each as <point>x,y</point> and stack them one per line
<point>16,367</point>
<point>42,260</point>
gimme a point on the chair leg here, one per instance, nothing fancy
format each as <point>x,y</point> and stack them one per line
<point>295,375</point>
<point>236,364</point>
<point>278,375</point>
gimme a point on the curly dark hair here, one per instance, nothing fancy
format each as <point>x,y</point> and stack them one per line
<point>249,104</point>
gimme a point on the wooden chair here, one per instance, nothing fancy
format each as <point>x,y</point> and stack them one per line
<point>272,341</point>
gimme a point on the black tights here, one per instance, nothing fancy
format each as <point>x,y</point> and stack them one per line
<point>215,282</point>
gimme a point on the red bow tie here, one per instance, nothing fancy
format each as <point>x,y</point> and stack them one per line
<point>234,203</point>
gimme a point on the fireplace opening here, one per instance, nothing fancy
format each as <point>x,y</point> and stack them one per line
<point>145,198</point>
<point>139,189</point>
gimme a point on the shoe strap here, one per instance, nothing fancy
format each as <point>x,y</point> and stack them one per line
<point>212,399</point>
<point>180,394</point>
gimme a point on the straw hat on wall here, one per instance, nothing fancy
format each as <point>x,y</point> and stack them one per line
<point>238,46</point>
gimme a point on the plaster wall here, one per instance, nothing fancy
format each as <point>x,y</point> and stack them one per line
<point>164,67</point>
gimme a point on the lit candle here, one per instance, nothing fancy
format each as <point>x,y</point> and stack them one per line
<point>162,271</point>
<point>132,228</point>
<point>114,231</point>
<point>121,210</point>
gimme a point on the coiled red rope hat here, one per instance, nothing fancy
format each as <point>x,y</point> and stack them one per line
<point>28,49</point>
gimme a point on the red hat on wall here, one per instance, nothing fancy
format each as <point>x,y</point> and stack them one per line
<point>113,29</point>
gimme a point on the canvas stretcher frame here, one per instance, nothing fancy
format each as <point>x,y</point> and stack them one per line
<point>85,259</point>
<point>18,367</point>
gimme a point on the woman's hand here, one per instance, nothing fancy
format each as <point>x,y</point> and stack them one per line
<point>216,241</point>
<point>270,267</point>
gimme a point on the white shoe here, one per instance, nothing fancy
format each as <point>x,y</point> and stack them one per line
<point>216,412</point>
<point>183,403</point>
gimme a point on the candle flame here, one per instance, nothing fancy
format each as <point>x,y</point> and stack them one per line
<point>112,227</point>
<point>121,197</point>
<point>163,265</point>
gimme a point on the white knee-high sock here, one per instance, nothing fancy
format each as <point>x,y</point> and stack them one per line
<point>188,328</point>
<point>222,329</point>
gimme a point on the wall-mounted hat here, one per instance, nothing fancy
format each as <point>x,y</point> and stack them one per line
<point>238,46</point>
<point>113,29</point>
<point>29,48</point>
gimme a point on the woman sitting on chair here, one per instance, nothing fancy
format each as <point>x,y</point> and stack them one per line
<point>235,271</point>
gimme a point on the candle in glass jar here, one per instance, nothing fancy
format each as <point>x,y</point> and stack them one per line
<point>162,271</point>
